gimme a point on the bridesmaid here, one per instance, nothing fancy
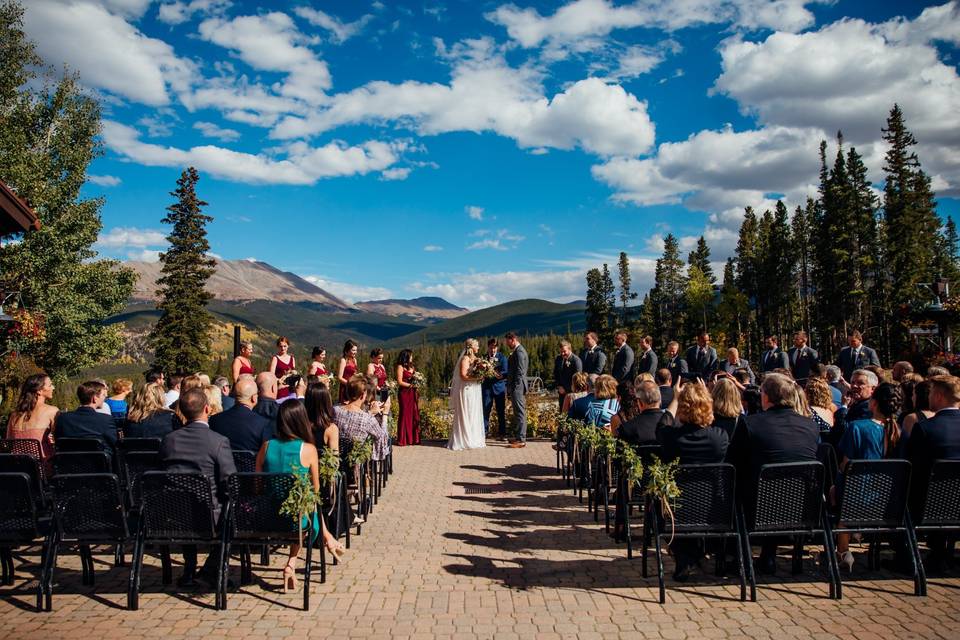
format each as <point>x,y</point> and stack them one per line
<point>242,364</point>
<point>281,363</point>
<point>408,424</point>
<point>347,369</point>
<point>377,370</point>
<point>318,358</point>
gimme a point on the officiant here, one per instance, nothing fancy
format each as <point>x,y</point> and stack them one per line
<point>495,390</point>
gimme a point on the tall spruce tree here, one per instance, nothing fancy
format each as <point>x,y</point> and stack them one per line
<point>668,293</point>
<point>732,307</point>
<point>800,229</point>
<point>49,130</point>
<point>700,258</point>
<point>626,295</point>
<point>181,336</point>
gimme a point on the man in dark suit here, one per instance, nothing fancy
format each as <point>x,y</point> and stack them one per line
<point>565,367</point>
<point>517,365</point>
<point>733,362</point>
<point>701,357</point>
<point>86,421</point>
<point>245,429</point>
<point>643,428</point>
<point>863,383</point>
<point>593,358</point>
<point>856,356</point>
<point>937,438</point>
<point>494,390</point>
<point>622,359</point>
<point>802,358</point>
<point>665,384</point>
<point>648,358</point>
<point>267,399</point>
<point>194,448</point>
<point>673,361</point>
<point>778,434</point>
<point>773,357</point>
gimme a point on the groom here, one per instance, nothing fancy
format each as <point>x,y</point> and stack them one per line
<point>517,387</point>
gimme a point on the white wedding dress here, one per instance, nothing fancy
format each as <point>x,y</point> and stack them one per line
<point>466,403</point>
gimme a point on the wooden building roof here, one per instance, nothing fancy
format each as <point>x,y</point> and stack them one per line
<point>15,215</point>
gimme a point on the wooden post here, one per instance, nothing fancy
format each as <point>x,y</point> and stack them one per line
<point>236,340</point>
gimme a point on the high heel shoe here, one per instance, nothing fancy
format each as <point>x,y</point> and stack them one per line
<point>845,559</point>
<point>336,549</point>
<point>289,579</point>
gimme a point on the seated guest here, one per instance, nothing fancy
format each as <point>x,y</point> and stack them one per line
<point>664,380</point>
<point>641,426</point>
<point>579,407</point>
<point>86,421</point>
<point>319,405</point>
<point>153,375</point>
<point>901,369</point>
<point>920,408</point>
<point>685,434</point>
<point>296,386</point>
<point>727,405</point>
<point>862,384</point>
<point>223,384</point>
<point>214,398</point>
<point>173,394</point>
<point>821,403</point>
<point>831,375</point>
<point>871,438</point>
<point>937,438</point>
<point>733,362</point>
<point>194,448</point>
<point>149,417</point>
<point>628,406</point>
<point>32,417</point>
<point>267,398</point>
<point>604,404</point>
<point>882,374</point>
<point>357,425</point>
<point>933,372</point>
<point>117,402</point>
<point>751,400</point>
<point>777,434</point>
<point>104,408</point>
<point>245,429</point>
<point>578,389</point>
<point>292,451</point>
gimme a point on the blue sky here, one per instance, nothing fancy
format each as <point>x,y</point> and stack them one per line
<point>487,151</point>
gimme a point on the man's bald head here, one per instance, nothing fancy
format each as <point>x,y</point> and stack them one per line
<point>245,391</point>
<point>267,384</point>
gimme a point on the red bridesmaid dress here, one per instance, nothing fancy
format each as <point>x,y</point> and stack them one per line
<point>408,424</point>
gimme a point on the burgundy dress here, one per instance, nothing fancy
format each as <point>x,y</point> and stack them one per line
<point>281,371</point>
<point>245,368</point>
<point>349,370</point>
<point>408,424</point>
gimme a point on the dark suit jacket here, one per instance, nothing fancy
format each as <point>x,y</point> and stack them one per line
<point>937,438</point>
<point>194,448</point>
<point>564,370</point>
<point>229,402</point>
<point>594,360</point>
<point>623,363</point>
<point>666,396</point>
<point>647,363</point>
<point>777,435</point>
<point>245,429</point>
<point>268,408</point>
<point>492,385</point>
<point>156,425</point>
<point>676,365</point>
<point>705,364</point>
<point>725,366</point>
<point>689,443</point>
<point>642,429</point>
<point>801,361</point>
<point>848,363</point>
<point>774,359</point>
<point>85,422</point>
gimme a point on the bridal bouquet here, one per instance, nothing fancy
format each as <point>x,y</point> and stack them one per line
<point>327,380</point>
<point>482,369</point>
<point>418,381</point>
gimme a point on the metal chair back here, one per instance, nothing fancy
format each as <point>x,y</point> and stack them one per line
<point>942,507</point>
<point>245,461</point>
<point>77,462</point>
<point>789,497</point>
<point>178,506</point>
<point>707,498</point>
<point>89,508</point>
<point>18,509</point>
<point>69,445</point>
<point>875,494</point>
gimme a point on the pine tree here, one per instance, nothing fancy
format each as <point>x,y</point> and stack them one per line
<point>595,310</point>
<point>49,130</point>
<point>733,305</point>
<point>181,336</point>
<point>626,295</point>
<point>667,295</point>
<point>609,296</point>
<point>800,231</point>
<point>747,271</point>
<point>700,258</point>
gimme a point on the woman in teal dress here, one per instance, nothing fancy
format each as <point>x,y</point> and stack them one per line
<point>293,451</point>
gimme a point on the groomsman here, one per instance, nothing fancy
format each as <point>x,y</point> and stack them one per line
<point>517,365</point>
<point>674,362</point>
<point>623,358</point>
<point>593,357</point>
<point>648,359</point>
<point>495,390</point>
<point>773,357</point>
<point>701,357</point>
<point>856,356</point>
<point>802,358</point>
<point>565,367</point>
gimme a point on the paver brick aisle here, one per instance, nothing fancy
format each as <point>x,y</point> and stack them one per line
<point>481,544</point>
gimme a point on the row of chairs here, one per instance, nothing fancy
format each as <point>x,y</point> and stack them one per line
<point>790,502</point>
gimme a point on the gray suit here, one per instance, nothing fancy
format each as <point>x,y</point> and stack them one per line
<point>774,359</point>
<point>623,363</point>
<point>517,366</point>
<point>647,363</point>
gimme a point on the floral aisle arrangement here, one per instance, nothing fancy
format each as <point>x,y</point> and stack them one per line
<point>301,502</point>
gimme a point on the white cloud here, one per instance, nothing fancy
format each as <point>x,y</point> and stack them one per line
<point>144,255</point>
<point>272,42</point>
<point>502,240</point>
<point>156,125</point>
<point>348,291</point>
<point>635,61</point>
<point>340,31</point>
<point>104,181</point>
<point>130,238</point>
<point>179,12</point>
<point>432,248</point>
<point>483,289</point>
<point>300,163</point>
<point>398,173</point>
<point>107,51</point>
<point>474,212</point>
<point>211,130</point>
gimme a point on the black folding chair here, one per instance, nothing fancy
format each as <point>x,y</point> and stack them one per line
<point>790,502</point>
<point>256,500</point>
<point>637,496</point>
<point>706,509</point>
<point>138,444</point>
<point>941,507</point>
<point>874,501</point>
<point>608,477</point>
<point>79,462</point>
<point>178,509</point>
<point>88,510</point>
<point>355,479</point>
<point>134,465</point>
<point>245,461</point>
<point>21,524</point>
<point>827,455</point>
<point>69,445</point>
<point>22,463</point>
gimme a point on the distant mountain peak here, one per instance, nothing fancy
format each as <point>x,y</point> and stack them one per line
<point>425,308</point>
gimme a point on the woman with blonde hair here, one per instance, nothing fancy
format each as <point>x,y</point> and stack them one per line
<point>148,416</point>
<point>604,404</point>
<point>214,398</point>
<point>821,402</point>
<point>466,402</point>
<point>242,364</point>
<point>727,405</point>
<point>579,388</point>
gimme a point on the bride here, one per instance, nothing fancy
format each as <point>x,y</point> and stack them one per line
<point>466,402</point>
